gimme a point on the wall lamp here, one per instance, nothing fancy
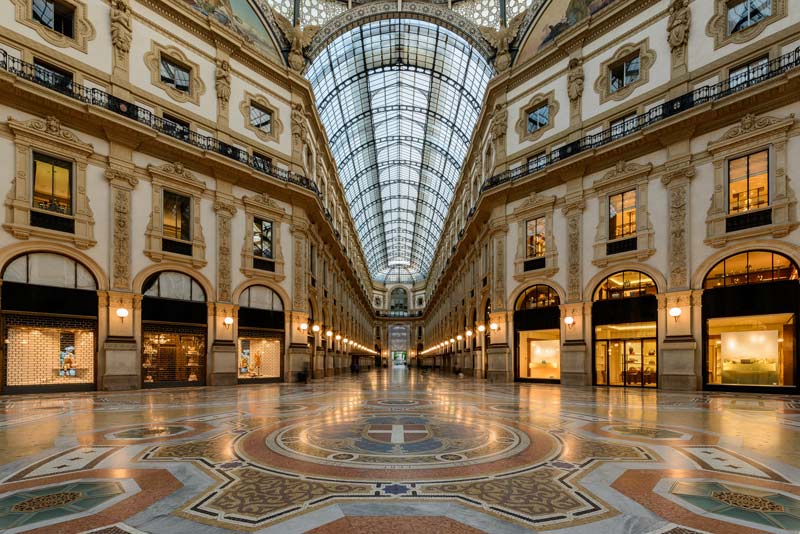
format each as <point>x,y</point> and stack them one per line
<point>303,327</point>
<point>469,333</point>
<point>459,337</point>
<point>493,327</point>
<point>328,333</point>
<point>227,321</point>
<point>315,328</point>
<point>122,313</point>
<point>675,313</point>
<point>569,321</point>
<point>481,328</point>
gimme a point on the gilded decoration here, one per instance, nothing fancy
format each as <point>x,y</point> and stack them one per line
<point>277,126</point>
<point>263,207</point>
<point>534,103</point>
<point>718,24</point>
<point>647,58</point>
<point>175,177</point>
<point>48,136</point>
<point>83,29</point>
<point>152,60</point>
<point>753,133</point>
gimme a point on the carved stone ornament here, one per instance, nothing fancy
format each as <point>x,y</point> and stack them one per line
<point>299,38</point>
<point>83,29</point>
<point>122,183</point>
<point>501,39</point>
<point>680,18</point>
<point>575,79</point>
<point>48,136</point>
<point>121,33</point>
<point>224,210</point>
<point>678,270</point>
<point>222,82</point>
<point>573,211</point>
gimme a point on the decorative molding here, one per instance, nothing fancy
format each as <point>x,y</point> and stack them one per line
<point>122,183</point>
<point>48,137</point>
<point>647,58</point>
<point>752,134</point>
<point>175,177</point>
<point>573,211</point>
<point>718,24</point>
<point>501,38</point>
<point>299,39</point>
<point>261,100</point>
<point>534,103</point>
<point>676,178</point>
<point>83,29</point>
<point>225,210</point>
<point>152,60</point>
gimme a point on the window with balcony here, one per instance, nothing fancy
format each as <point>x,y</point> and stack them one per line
<point>51,76</point>
<point>537,162</point>
<point>175,127</point>
<point>624,126</point>
<point>748,73</point>
<point>262,162</point>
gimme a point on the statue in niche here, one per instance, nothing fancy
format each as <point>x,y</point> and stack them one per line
<point>121,26</point>
<point>678,24</point>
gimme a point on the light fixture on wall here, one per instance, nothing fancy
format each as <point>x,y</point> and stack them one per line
<point>315,328</point>
<point>452,340</point>
<point>227,321</point>
<point>338,337</point>
<point>345,341</point>
<point>493,327</point>
<point>675,312</point>
<point>481,328</point>
<point>469,333</point>
<point>459,337</point>
<point>122,313</point>
<point>569,321</point>
<point>303,327</point>
<point>328,333</point>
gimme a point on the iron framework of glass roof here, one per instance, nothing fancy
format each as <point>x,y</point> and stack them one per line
<point>399,99</point>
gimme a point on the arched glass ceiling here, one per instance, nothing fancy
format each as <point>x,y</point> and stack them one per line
<point>399,99</point>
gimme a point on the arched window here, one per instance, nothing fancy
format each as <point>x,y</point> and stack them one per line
<point>538,296</point>
<point>625,284</point>
<point>174,285</point>
<point>399,299</point>
<point>753,267</point>
<point>47,269</point>
<point>260,298</point>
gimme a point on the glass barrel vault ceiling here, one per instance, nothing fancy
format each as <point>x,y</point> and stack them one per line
<point>399,99</point>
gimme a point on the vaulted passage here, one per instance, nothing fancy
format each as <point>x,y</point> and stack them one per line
<point>399,99</point>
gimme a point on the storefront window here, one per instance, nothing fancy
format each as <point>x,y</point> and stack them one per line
<point>173,356</point>
<point>540,354</point>
<point>755,350</point>
<point>626,354</point>
<point>625,284</point>
<point>259,357</point>
<point>751,268</point>
<point>48,355</point>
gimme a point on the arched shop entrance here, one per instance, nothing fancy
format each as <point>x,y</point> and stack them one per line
<point>261,335</point>
<point>174,330</point>
<point>537,334</point>
<point>49,325</point>
<point>624,321</point>
<point>750,306</point>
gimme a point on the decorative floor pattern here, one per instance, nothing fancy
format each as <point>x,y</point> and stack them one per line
<point>399,452</point>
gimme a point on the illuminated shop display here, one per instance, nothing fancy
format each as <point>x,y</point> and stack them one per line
<point>260,357</point>
<point>173,356</point>
<point>540,354</point>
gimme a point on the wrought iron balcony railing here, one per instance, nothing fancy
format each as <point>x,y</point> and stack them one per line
<point>97,97</point>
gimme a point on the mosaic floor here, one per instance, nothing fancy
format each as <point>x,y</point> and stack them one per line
<point>400,452</point>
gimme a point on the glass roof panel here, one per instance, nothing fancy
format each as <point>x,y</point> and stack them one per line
<point>399,99</point>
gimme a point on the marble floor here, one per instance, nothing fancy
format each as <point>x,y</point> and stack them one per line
<point>401,452</point>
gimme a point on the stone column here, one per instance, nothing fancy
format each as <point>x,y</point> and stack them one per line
<point>299,353</point>
<point>678,367</point>
<point>119,367</point>
<point>319,355</point>
<point>222,362</point>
